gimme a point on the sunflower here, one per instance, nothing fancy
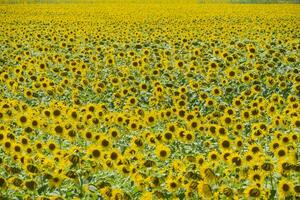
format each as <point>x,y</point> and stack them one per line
<point>208,172</point>
<point>226,155</point>
<point>216,91</point>
<point>71,134</point>
<point>168,136</point>
<point>213,66</point>
<point>179,64</point>
<point>162,151</point>
<point>16,182</point>
<point>24,141</point>
<point>228,192</point>
<point>246,78</point>
<point>210,102</point>
<point>134,124</point>
<point>146,195</point>
<point>285,165</point>
<point>172,184</point>
<point>249,158</point>
<point>236,160</point>
<point>150,118</point>
<point>227,120</point>
<point>132,101</point>
<point>105,142</point>
<point>31,168</point>
<point>34,122</point>
<point>52,146</point>
<point>137,142</point>
<point>114,133</point>
<point>231,73</point>
<point>205,190</point>
<point>257,176</point>
<point>253,192</point>
<point>193,125</point>
<point>245,115</point>
<point>203,95</point>
<point>56,180</point>
<point>143,86</point>
<point>238,127</point>
<point>296,189</point>
<point>22,119</point>
<point>281,152</point>
<point>17,149</point>
<point>2,183</point>
<point>114,155</point>
<point>59,128</point>
<point>28,93</point>
<point>295,123</point>
<point>224,143</point>
<point>189,136</point>
<point>117,194</point>
<point>285,188</point>
<point>94,152</point>
<point>8,145</point>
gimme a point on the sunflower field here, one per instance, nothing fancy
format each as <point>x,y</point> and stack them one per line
<point>149,101</point>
